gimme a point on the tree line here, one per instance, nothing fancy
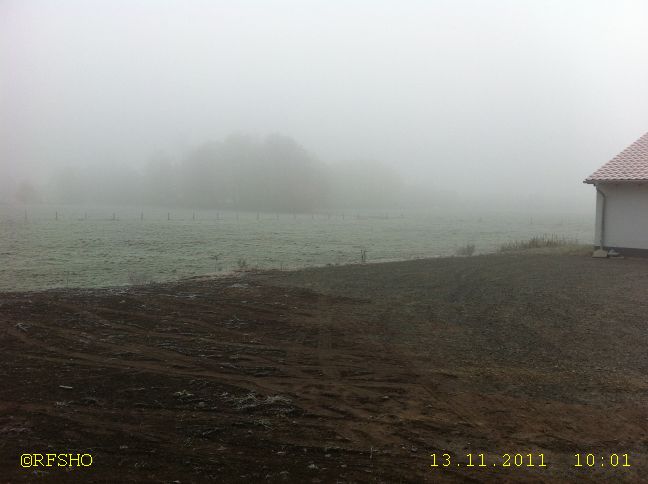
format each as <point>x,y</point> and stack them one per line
<point>241,172</point>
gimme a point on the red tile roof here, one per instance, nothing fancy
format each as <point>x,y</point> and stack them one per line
<point>629,165</point>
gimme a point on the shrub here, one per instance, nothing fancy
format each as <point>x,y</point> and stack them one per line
<point>538,242</point>
<point>466,250</point>
<point>139,279</point>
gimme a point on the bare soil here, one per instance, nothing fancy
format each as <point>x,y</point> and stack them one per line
<point>338,374</point>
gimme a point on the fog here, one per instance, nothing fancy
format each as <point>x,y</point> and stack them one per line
<point>289,105</point>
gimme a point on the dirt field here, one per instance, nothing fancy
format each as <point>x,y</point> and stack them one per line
<point>340,374</point>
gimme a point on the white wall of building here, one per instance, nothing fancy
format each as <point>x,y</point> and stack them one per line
<point>626,215</point>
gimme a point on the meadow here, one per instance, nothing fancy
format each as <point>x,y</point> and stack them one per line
<point>45,247</point>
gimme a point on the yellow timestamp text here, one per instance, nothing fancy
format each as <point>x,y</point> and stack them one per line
<point>484,460</point>
<point>606,460</point>
<point>537,460</point>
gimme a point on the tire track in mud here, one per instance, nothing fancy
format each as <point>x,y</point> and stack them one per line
<point>342,405</point>
<point>452,412</point>
<point>309,389</point>
<point>170,363</point>
<point>466,417</point>
<point>214,331</point>
<point>324,347</point>
<point>342,398</point>
<point>167,364</point>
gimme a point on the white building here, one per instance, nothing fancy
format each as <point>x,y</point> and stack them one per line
<point>622,200</point>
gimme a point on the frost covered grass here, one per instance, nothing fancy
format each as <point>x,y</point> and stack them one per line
<point>85,247</point>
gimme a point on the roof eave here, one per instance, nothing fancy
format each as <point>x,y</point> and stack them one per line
<point>594,181</point>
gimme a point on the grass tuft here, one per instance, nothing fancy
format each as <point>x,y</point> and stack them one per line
<point>553,241</point>
<point>465,250</point>
<point>139,279</point>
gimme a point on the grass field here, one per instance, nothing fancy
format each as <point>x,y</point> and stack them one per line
<point>85,247</point>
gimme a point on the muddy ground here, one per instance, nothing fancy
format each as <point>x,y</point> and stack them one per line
<point>339,374</point>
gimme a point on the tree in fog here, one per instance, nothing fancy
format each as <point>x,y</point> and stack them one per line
<point>299,180</point>
<point>199,177</point>
<point>364,184</point>
<point>274,173</point>
<point>244,172</point>
<point>160,184</point>
<point>115,183</point>
<point>239,153</point>
<point>280,175</point>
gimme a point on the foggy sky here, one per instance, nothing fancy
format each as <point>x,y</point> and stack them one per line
<point>517,100</point>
